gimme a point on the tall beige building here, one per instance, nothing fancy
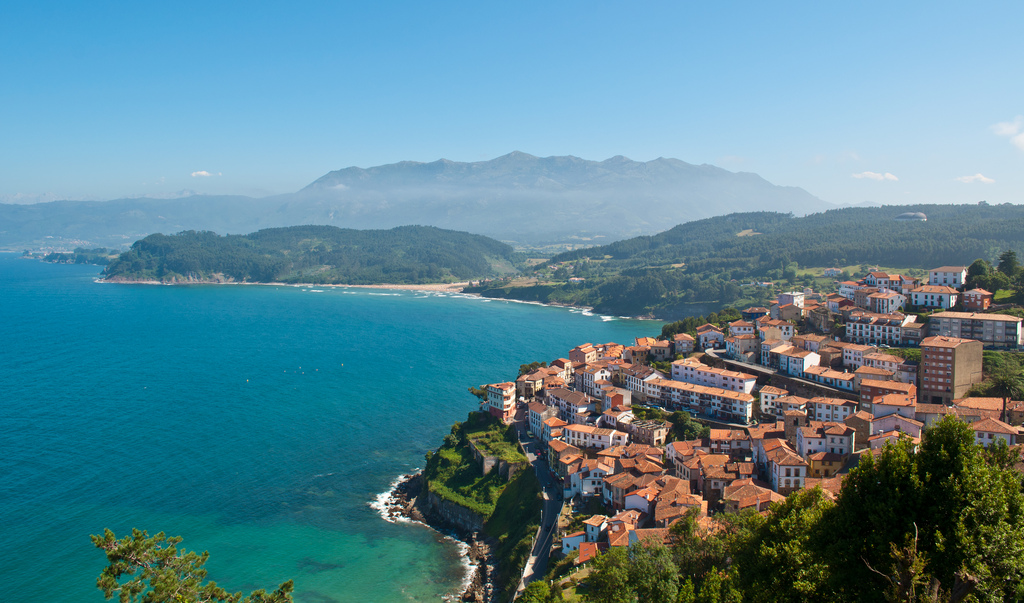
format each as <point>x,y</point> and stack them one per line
<point>949,367</point>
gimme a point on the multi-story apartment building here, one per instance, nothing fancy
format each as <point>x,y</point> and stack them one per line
<point>691,370</point>
<point>820,436</point>
<point>853,354</point>
<point>587,377</point>
<point>992,330</point>
<point>584,353</point>
<point>841,380</point>
<point>886,302</point>
<point>501,400</point>
<point>876,329</point>
<point>714,402</point>
<point>830,409</point>
<point>588,436</point>
<point>570,404</point>
<point>949,367</point>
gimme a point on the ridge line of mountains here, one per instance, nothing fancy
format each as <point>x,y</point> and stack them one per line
<point>518,198</point>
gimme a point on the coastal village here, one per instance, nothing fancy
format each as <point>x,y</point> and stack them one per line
<point>793,394</point>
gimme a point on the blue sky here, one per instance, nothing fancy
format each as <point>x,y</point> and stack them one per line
<point>101,100</point>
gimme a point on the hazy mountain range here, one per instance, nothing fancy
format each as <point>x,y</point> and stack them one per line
<point>517,198</point>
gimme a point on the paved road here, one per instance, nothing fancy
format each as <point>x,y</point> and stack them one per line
<point>537,564</point>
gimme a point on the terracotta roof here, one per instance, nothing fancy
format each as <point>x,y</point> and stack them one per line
<point>589,550</point>
<point>870,370</point>
<point>977,316</point>
<point>949,269</point>
<point>831,485</point>
<point>825,456</point>
<point>899,419</point>
<point>980,403</point>
<point>630,516</point>
<point>892,386</point>
<point>934,289</point>
<point>989,424</point>
<point>894,400</point>
<point>943,342</point>
<point>537,407</point>
<point>708,327</point>
<point>655,536</point>
<point>861,414</point>
<point>785,456</point>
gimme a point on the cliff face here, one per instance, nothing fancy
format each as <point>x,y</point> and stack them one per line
<point>452,514</point>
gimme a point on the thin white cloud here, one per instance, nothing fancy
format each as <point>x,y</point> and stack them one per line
<point>1014,130</point>
<point>875,176</point>
<point>974,178</point>
<point>205,174</point>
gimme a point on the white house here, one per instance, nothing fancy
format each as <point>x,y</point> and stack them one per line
<point>934,296</point>
<point>950,276</point>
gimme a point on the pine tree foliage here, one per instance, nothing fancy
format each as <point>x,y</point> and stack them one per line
<point>143,569</point>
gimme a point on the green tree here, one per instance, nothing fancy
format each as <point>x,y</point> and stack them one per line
<point>877,505</point>
<point>154,571</point>
<point>977,274</point>
<point>774,560</point>
<point>1007,382</point>
<point>698,552</point>
<point>974,513</point>
<point>685,428</point>
<point>1008,263</point>
<point>609,578</point>
<point>652,573</point>
<point>535,592</point>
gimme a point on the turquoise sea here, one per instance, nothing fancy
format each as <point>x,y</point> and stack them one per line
<point>256,422</point>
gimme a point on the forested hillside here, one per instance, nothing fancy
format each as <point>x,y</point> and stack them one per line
<point>316,254</point>
<point>706,262</point>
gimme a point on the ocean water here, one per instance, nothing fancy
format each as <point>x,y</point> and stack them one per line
<point>258,423</point>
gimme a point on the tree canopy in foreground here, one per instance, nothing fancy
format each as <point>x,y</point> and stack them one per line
<point>152,570</point>
<point>942,522</point>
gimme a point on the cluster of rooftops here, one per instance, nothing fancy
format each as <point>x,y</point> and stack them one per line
<point>788,410</point>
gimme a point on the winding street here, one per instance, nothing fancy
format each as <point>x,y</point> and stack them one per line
<point>537,564</point>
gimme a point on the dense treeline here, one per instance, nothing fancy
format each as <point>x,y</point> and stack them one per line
<point>317,254</point>
<point>944,522</point>
<point>99,256</point>
<point>707,261</point>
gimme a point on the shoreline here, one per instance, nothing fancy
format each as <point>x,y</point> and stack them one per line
<point>438,287</point>
<point>428,287</point>
<point>403,503</point>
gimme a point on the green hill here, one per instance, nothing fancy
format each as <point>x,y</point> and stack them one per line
<point>316,254</point>
<point>701,266</point>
